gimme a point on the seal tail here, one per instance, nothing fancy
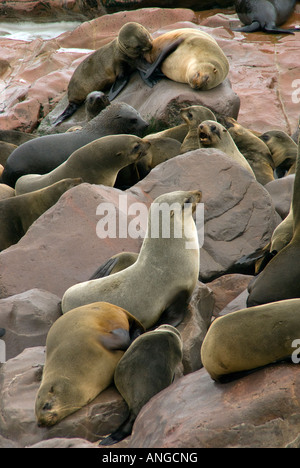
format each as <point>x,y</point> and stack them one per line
<point>124,431</point>
<point>253,27</point>
<point>70,110</point>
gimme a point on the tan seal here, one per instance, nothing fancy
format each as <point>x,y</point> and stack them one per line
<point>198,60</point>
<point>253,149</point>
<point>213,135</point>
<point>83,348</point>
<point>283,150</point>
<point>110,65</point>
<point>18,213</point>
<point>171,240</point>
<point>194,116</point>
<point>251,338</point>
<point>147,367</point>
<point>280,280</point>
<point>97,162</point>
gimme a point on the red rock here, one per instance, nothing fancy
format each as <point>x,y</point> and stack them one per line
<point>19,384</point>
<point>27,318</point>
<point>62,247</point>
<point>257,411</point>
<point>226,288</point>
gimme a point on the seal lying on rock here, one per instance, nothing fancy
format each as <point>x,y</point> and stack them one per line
<point>98,162</point>
<point>43,154</point>
<point>198,60</point>
<point>168,288</point>
<point>251,338</point>
<point>111,63</point>
<point>83,348</point>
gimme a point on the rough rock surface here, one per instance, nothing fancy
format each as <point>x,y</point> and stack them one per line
<point>260,410</point>
<point>27,318</point>
<point>238,212</point>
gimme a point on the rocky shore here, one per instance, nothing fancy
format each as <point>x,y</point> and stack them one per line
<point>62,248</point>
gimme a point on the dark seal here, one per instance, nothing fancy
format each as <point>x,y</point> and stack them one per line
<point>265,15</point>
<point>43,154</point>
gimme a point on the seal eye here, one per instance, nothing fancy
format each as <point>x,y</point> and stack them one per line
<point>133,121</point>
<point>190,115</point>
<point>213,128</point>
<point>265,137</point>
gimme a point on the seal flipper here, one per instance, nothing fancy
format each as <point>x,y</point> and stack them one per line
<point>253,27</point>
<point>176,312</point>
<point>124,431</point>
<point>151,73</point>
<point>105,269</point>
<point>120,83</point>
<point>275,30</point>
<point>116,339</point>
<point>70,110</point>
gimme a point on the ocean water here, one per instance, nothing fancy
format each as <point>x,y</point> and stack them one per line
<point>28,31</point>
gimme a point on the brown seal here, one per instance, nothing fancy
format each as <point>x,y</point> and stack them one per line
<point>283,150</point>
<point>97,162</point>
<point>194,116</point>
<point>168,289</point>
<point>18,213</point>
<point>45,153</point>
<point>280,280</point>
<point>147,367</point>
<point>253,149</point>
<point>107,66</point>
<point>251,338</point>
<point>198,60</point>
<point>213,135</point>
<point>83,348</point>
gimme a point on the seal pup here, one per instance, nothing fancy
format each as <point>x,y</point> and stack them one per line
<point>83,348</point>
<point>18,213</point>
<point>212,134</point>
<point>280,280</point>
<point>194,116</point>
<point>45,153</point>
<point>253,149</point>
<point>251,338</point>
<point>171,240</point>
<point>283,151</point>
<point>197,61</point>
<point>97,162</point>
<point>265,15</point>
<point>146,368</point>
<point>111,64</point>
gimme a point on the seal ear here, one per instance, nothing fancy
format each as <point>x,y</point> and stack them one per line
<point>215,70</point>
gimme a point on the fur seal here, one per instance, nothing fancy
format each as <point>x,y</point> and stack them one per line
<point>253,149</point>
<point>280,280</point>
<point>83,348</point>
<point>283,151</point>
<point>251,338</point>
<point>18,213</point>
<point>161,149</point>
<point>265,15</point>
<point>6,192</point>
<point>167,289</point>
<point>97,162</point>
<point>45,153</point>
<point>161,349</point>
<point>110,65</point>
<point>197,61</point>
<point>194,116</point>
<point>213,135</point>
